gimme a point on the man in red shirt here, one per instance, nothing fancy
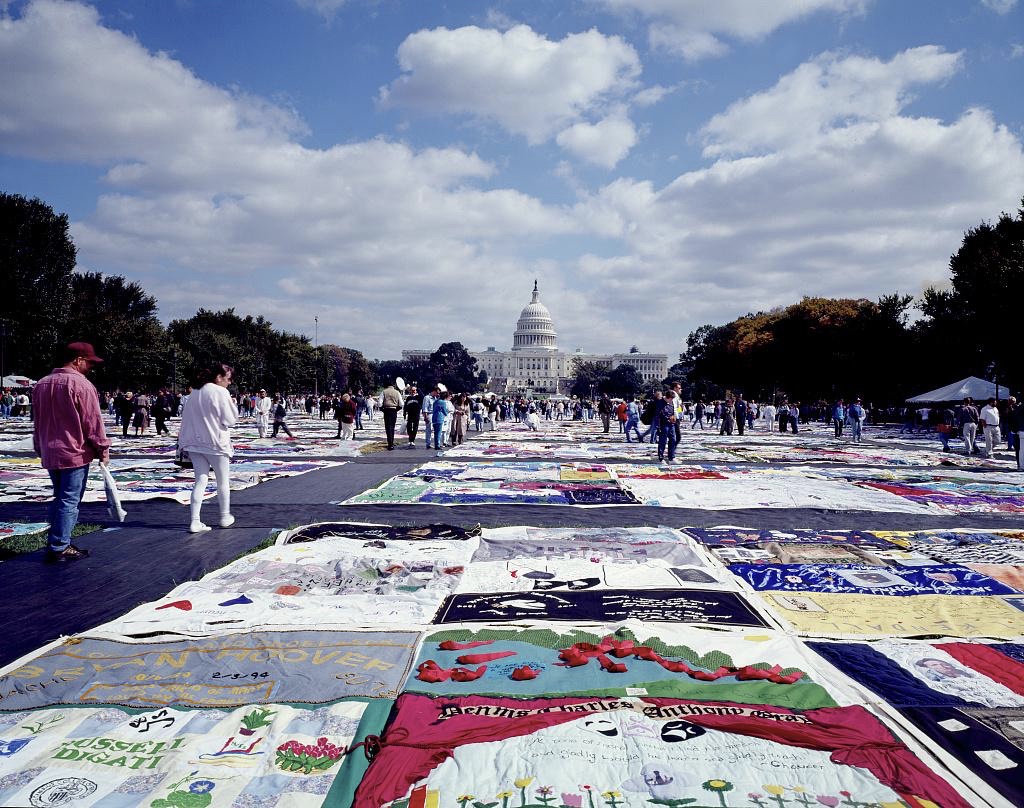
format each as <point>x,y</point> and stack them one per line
<point>68,435</point>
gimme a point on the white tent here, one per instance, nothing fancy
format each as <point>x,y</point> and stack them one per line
<point>978,389</point>
<point>17,381</point>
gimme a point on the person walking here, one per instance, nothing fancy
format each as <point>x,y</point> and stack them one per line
<point>345,412</point>
<point>742,409</point>
<point>968,417</point>
<point>438,416</point>
<point>604,409</point>
<point>411,410</point>
<point>460,416</point>
<point>728,417</point>
<point>390,404</point>
<point>666,413</point>
<point>125,409</point>
<point>947,420</point>
<point>427,411</point>
<point>280,412</point>
<point>1015,427</point>
<point>838,417</point>
<point>990,425</point>
<point>206,435</point>
<point>632,419</point>
<point>698,415</point>
<point>68,434</point>
<point>768,413</point>
<point>794,416</point>
<point>263,408</point>
<point>161,412</point>
<point>141,418</point>
<point>856,415</point>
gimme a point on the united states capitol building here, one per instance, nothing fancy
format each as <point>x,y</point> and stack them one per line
<point>535,365</point>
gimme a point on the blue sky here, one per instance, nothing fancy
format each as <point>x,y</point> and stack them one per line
<point>404,169</point>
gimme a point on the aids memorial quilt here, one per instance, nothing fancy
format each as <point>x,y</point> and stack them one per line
<point>967,698</point>
<point>541,559</point>
<point>201,614</point>
<point>275,755</point>
<point>357,531</point>
<point>603,606</point>
<point>597,545</point>
<point>382,583</point>
<point>11,529</point>
<point>635,751</point>
<point>22,479</point>
<point>951,492</point>
<point>737,666</point>
<point>732,487</point>
<point>948,579</point>
<point>444,483</point>
<point>828,614</point>
<point>309,667</point>
<point>742,536</point>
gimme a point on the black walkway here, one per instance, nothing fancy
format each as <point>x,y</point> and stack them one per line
<point>152,552</point>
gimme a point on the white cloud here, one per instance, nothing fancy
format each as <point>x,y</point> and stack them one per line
<point>856,201</point>
<point>152,105</point>
<point>524,82</point>
<point>823,94</point>
<point>1017,50</point>
<point>212,201</point>
<point>999,6</point>
<point>603,143</point>
<point>694,29</point>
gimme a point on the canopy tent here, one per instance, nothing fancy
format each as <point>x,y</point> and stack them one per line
<point>17,381</point>
<point>978,389</point>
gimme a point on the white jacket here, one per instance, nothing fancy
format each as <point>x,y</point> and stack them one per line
<point>206,422</point>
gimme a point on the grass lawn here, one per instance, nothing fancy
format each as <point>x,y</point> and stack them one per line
<point>16,545</point>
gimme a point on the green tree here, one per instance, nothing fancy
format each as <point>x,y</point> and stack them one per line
<point>623,382</point>
<point>452,365</point>
<point>972,326</point>
<point>587,378</point>
<point>37,259</point>
<point>346,369</point>
<point>119,319</point>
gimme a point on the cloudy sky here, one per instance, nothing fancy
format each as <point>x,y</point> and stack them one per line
<point>405,169</point>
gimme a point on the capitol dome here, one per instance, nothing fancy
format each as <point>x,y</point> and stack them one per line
<point>535,330</point>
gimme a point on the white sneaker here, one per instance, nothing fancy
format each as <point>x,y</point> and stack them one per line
<point>198,527</point>
<point>227,521</point>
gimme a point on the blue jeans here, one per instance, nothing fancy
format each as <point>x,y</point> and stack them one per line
<point>857,424</point>
<point>438,429</point>
<point>631,425</point>
<point>68,489</point>
<point>667,435</point>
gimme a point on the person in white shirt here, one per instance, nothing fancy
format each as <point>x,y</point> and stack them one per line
<point>990,420</point>
<point>768,413</point>
<point>206,435</point>
<point>263,406</point>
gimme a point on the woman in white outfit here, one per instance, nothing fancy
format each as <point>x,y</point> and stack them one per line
<point>206,435</point>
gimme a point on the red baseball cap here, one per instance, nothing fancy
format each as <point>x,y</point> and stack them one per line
<point>84,350</point>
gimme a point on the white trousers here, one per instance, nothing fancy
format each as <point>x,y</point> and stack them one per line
<point>347,431</point>
<point>970,433</point>
<point>262,423</point>
<point>203,463</point>
<point>991,439</point>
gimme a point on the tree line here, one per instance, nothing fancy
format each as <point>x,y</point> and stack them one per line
<point>46,304</point>
<point>882,350</point>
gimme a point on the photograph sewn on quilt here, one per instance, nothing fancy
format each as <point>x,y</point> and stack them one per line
<point>966,698</point>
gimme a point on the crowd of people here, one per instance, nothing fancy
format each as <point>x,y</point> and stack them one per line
<point>69,432</point>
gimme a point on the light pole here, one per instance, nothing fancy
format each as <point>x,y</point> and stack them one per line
<point>174,369</point>
<point>3,350</point>
<point>316,357</point>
